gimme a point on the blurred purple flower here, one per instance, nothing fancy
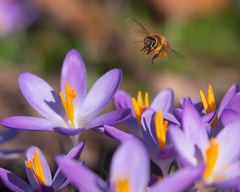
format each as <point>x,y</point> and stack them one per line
<point>38,173</point>
<point>15,16</point>
<point>127,174</point>
<point>220,155</point>
<point>5,136</point>
<point>73,110</point>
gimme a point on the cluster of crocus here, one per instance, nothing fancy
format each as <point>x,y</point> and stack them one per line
<point>194,146</point>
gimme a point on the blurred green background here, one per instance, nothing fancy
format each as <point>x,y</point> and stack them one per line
<point>35,36</point>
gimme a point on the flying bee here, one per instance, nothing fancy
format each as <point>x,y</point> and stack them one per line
<point>152,43</point>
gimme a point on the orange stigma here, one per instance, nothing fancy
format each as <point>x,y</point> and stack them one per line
<point>35,166</point>
<point>161,129</point>
<point>139,106</point>
<point>67,102</point>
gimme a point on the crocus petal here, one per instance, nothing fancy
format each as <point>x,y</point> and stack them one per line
<point>80,176</point>
<point>7,135</point>
<point>111,118</point>
<point>228,139</point>
<point>178,112</point>
<point>41,96</point>
<point>167,152</point>
<point>46,170</point>
<point>208,118</point>
<point>122,100</point>
<point>123,169</point>
<point>179,181</point>
<point>28,123</point>
<point>68,131</point>
<point>196,103</point>
<point>234,103</point>
<point>14,182</point>
<point>229,116</point>
<point>44,188</point>
<point>60,181</point>
<point>170,118</point>
<point>230,176</point>
<point>227,97</point>
<point>74,73</point>
<point>193,126</point>
<point>184,147</point>
<point>117,133</point>
<point>163,101</point>
<point>148,131</point>
<point>133,126</point>
<point>147,121</point>
<point>99,96</point>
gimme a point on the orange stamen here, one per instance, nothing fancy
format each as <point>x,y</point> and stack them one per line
<point>211,155</point>
<point>67,102</point>
<point>161,129</point>
<point>122,185</point>
<point>140,105</point>
<point>35,166</point>
<point>209,103</point>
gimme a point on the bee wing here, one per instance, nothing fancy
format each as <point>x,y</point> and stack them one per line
<point>177,53</point>
<point>137,27</point>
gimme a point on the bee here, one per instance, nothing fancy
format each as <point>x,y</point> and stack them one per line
<point>154,44</point>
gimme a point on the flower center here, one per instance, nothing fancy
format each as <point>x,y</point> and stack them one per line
<point>161,129</point>
<point>211,154</point>
<point>139,106</point>
<point>67,102</point>
<point>35,166</point>
<point>209,103</point>
<point>122,185</point>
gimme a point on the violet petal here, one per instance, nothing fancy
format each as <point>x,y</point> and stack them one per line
<point>74,73</point>
<point>28,123</point>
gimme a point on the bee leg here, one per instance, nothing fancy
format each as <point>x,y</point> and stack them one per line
<point>155,57</point>
<point>143,49</point>
<point>149,51</point>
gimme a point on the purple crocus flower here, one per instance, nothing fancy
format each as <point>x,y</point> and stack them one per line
<point>155,135</point>
<point>38,173</point>
<point>163,102</point>
<point>149,122</point>
<point>220,155</point>
<point>226,112</point>
<point>73,109</point>
<point>8,153</point>
<point>127,174</point>
<point>206,117</point>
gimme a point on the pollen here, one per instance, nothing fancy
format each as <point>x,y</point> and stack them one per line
<point>67,102</point>
<point>35,166</point>
<point>140,105</point>
<point>122,185</point>
<point>209,103</point>
<point>211,157</point>
<point>161,127</point>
